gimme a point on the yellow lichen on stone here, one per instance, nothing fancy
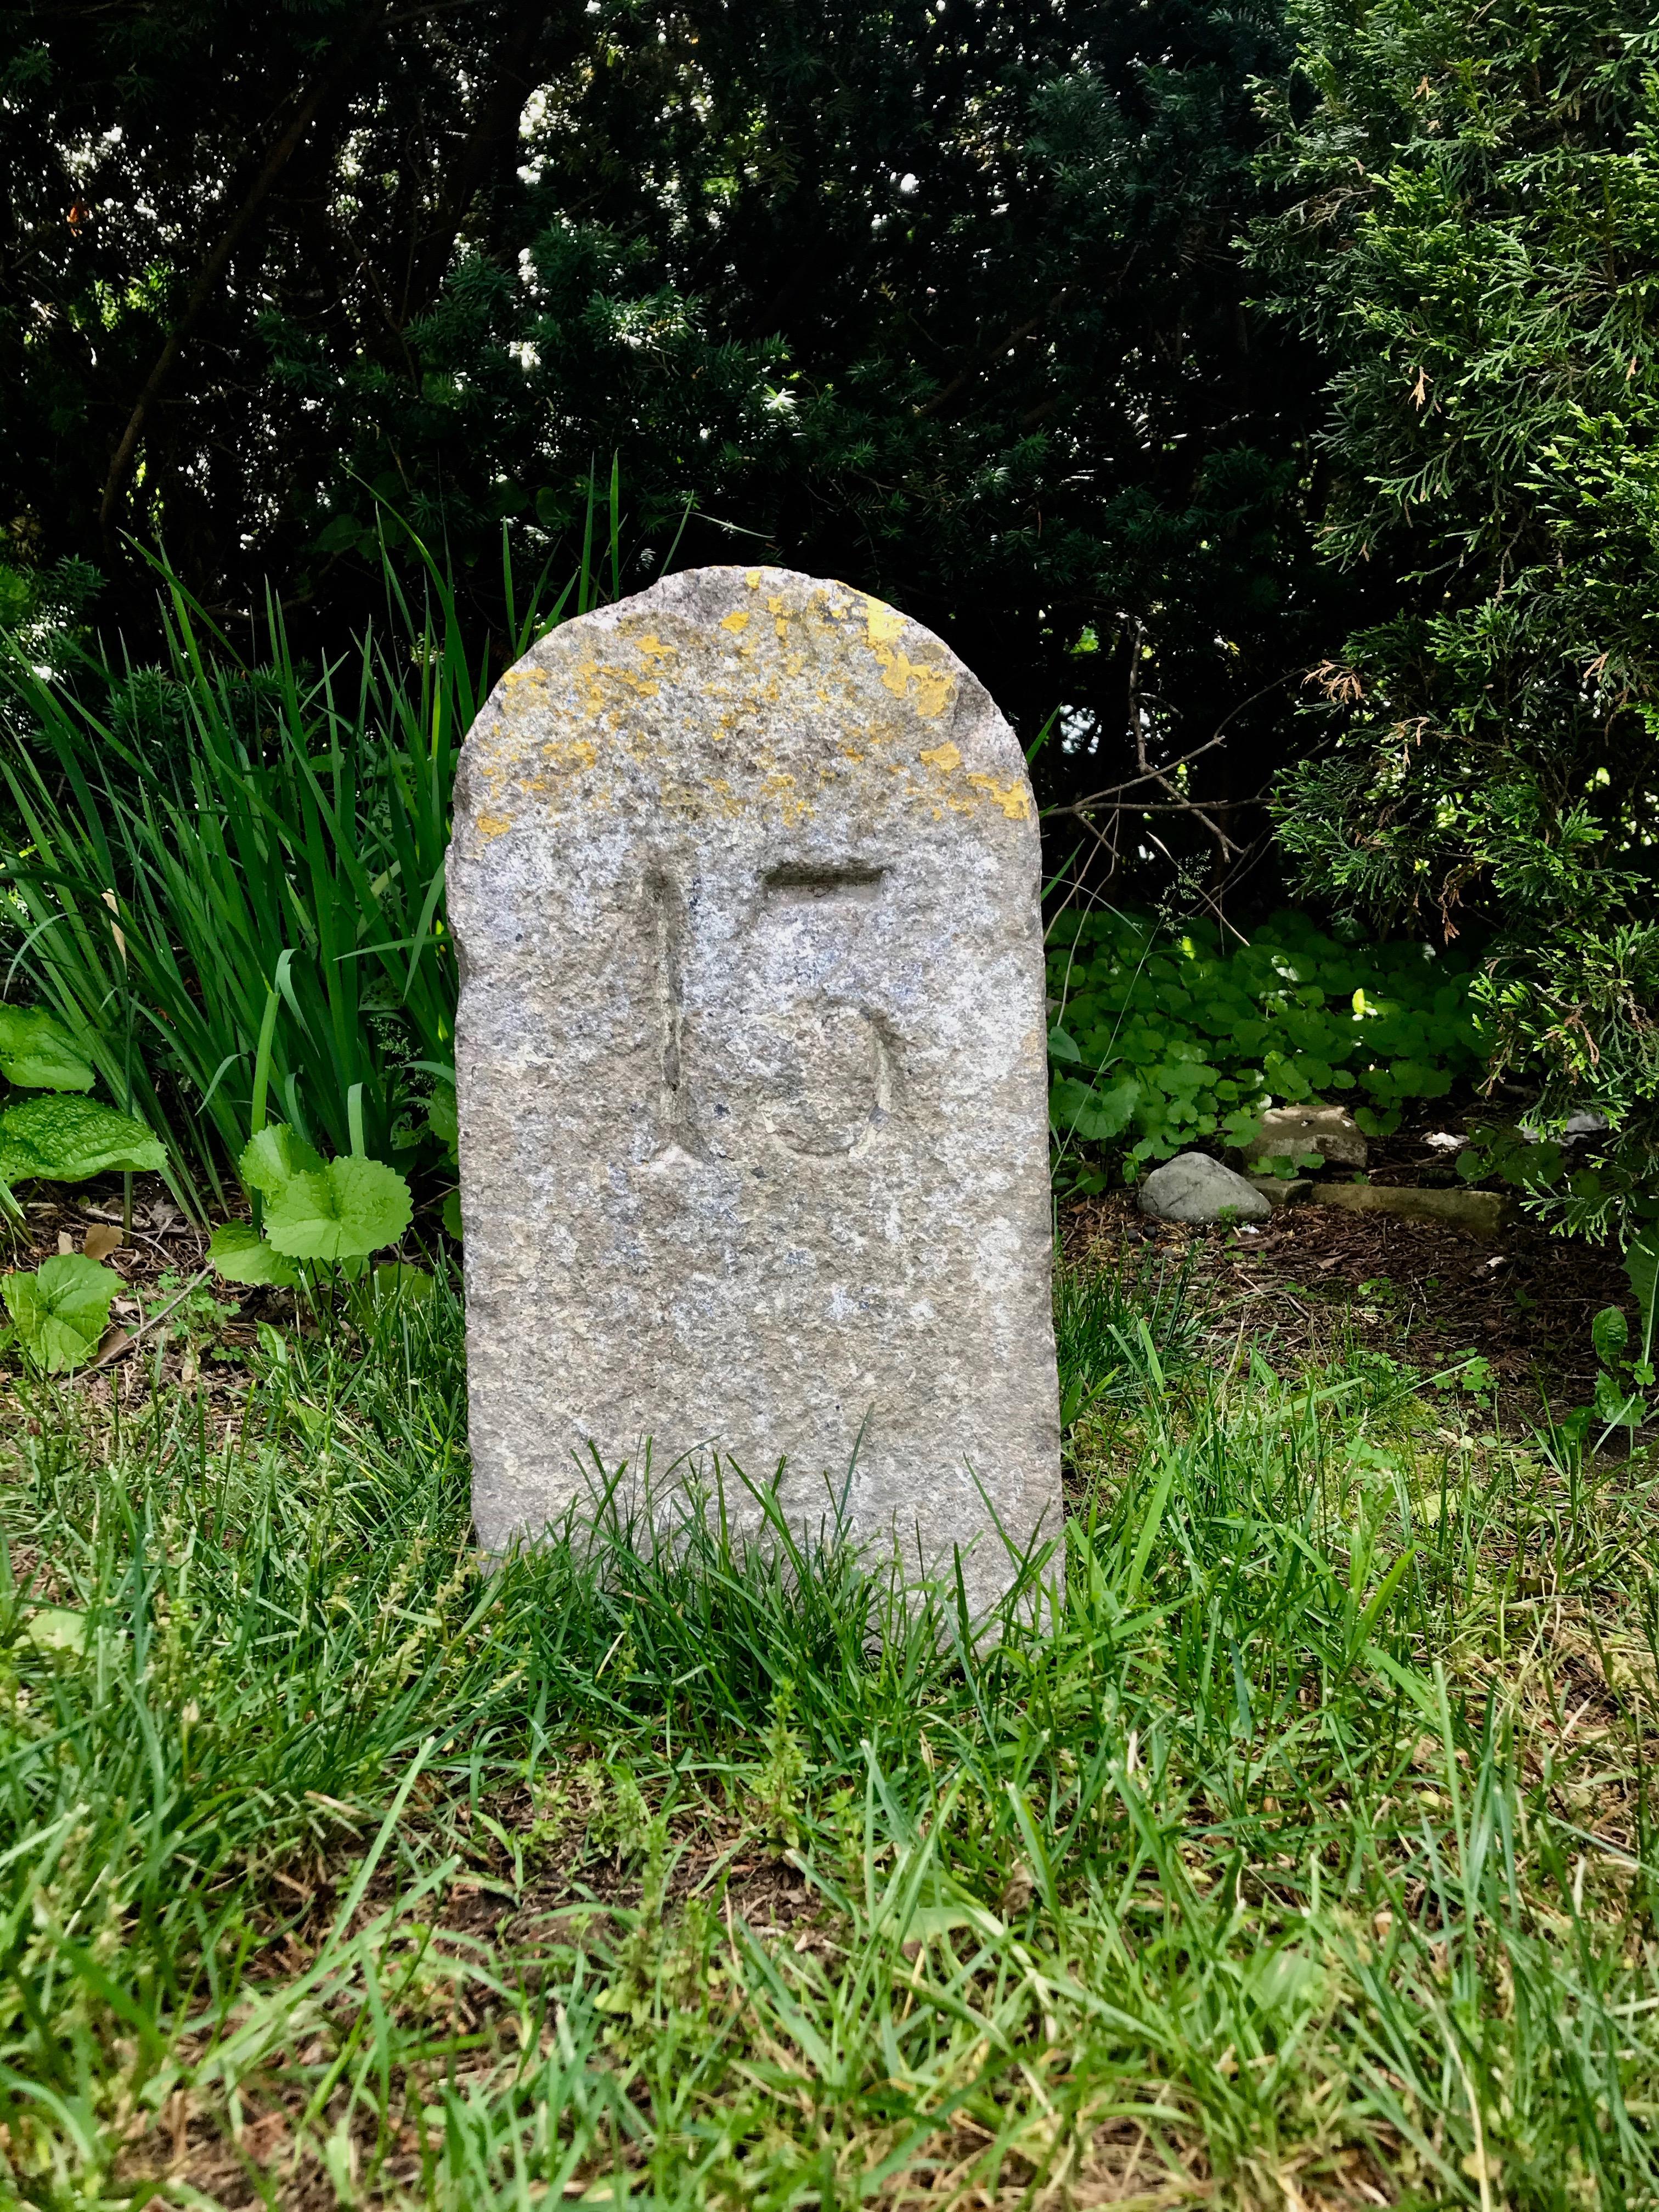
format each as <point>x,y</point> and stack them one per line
<point>943,757</point>
<point>593,676</point>
<point>653,648</point>
<point>927,689</point>
<point>572,755</point>
<point>882,623</point>
<point>494,825</point>
<point>1013,798</point>
<point>737,620</point>
<point>753,580</point>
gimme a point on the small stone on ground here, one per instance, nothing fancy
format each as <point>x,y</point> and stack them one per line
<point>1193,1187</point>
<point>1291,1131</point>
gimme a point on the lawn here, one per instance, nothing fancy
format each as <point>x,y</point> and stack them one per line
<point>1305,1859</point>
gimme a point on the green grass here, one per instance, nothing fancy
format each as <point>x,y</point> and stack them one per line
<point>1306,1862</point>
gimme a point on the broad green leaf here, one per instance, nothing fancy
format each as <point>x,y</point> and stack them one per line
<point>274,1158</point>
<point>441,1118</point>
<point>396,1279</point>
<point>55,1628</point>
<point>1610,1335</point>
<point>66,1139</point>
<point>451,1216</point>
<point>1095,1114</point>
<point>61,1308</point>
<point>241,1254</point>
<point>38,1053</point>
<point>1642,1266</point>
<point>1615,1407</point>
<point>343,1212</point>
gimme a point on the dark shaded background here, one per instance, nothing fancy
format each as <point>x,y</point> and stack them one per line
<point>942,298</point>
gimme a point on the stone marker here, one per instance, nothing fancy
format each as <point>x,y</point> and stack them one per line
<point>752,1075</point>
<point>1192,1186</point>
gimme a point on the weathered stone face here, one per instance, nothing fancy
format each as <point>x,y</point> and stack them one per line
<point>751,1066</point>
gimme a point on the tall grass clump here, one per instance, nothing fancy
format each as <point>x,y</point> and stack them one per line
<point>1304,1858</point>
<point>234,862</point>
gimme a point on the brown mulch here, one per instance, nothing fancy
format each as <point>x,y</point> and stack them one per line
<point>1316,1280</point>
<point>177,1352</point>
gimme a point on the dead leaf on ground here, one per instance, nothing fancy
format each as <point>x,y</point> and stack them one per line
<point>262,2139</point>
<point>100,1242</point>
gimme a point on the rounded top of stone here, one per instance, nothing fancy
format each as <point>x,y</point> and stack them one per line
<point>745,696</point>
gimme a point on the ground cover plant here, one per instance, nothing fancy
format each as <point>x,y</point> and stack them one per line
<point>1166,1038</point>
<point>1304,1857</point>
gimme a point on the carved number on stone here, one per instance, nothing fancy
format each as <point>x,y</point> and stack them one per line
<point>680,1137</point>
<point>835,1062</point>
<point>837,1065</point>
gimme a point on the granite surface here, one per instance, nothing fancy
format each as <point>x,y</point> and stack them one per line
<point>752,1079</point>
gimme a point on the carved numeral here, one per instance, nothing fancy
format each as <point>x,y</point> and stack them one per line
<point>836,1063</point>
<point>677,1120</point>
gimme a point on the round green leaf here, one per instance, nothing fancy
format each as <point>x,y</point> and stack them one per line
<point>343,1212</point>
<point>66,1139</point>
<point>55,1628</point>
<point>38,1053</point>
<point>241,1254</point>
<point>274,1158</point>
<point>61,1308</point>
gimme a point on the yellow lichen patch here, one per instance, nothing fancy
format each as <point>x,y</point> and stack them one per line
<point>593,676</point>
<point>1013,799</point>
<point>494,825</point>
<point>932,686</point>
<point>753,580</point>
<point>943,758</point>
<point>737,620</point>
<point>927,689</point>
<point>726,801</point>
<point>653,648</point>
<point>882,623</point>
<point>573,755</point>
<point>780,786</point>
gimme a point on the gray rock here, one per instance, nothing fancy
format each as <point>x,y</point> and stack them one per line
<point>1482,1213</point>
<point>1281,1191</point>
<point>751,1076</point>
<point>1193,1187</point>
<point>1330,1131</point>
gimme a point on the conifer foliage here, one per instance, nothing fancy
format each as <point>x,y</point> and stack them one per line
<point>939,296</point>
<point>1471,235</point>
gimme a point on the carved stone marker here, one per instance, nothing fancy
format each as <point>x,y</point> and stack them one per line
<point>751,1064</point>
